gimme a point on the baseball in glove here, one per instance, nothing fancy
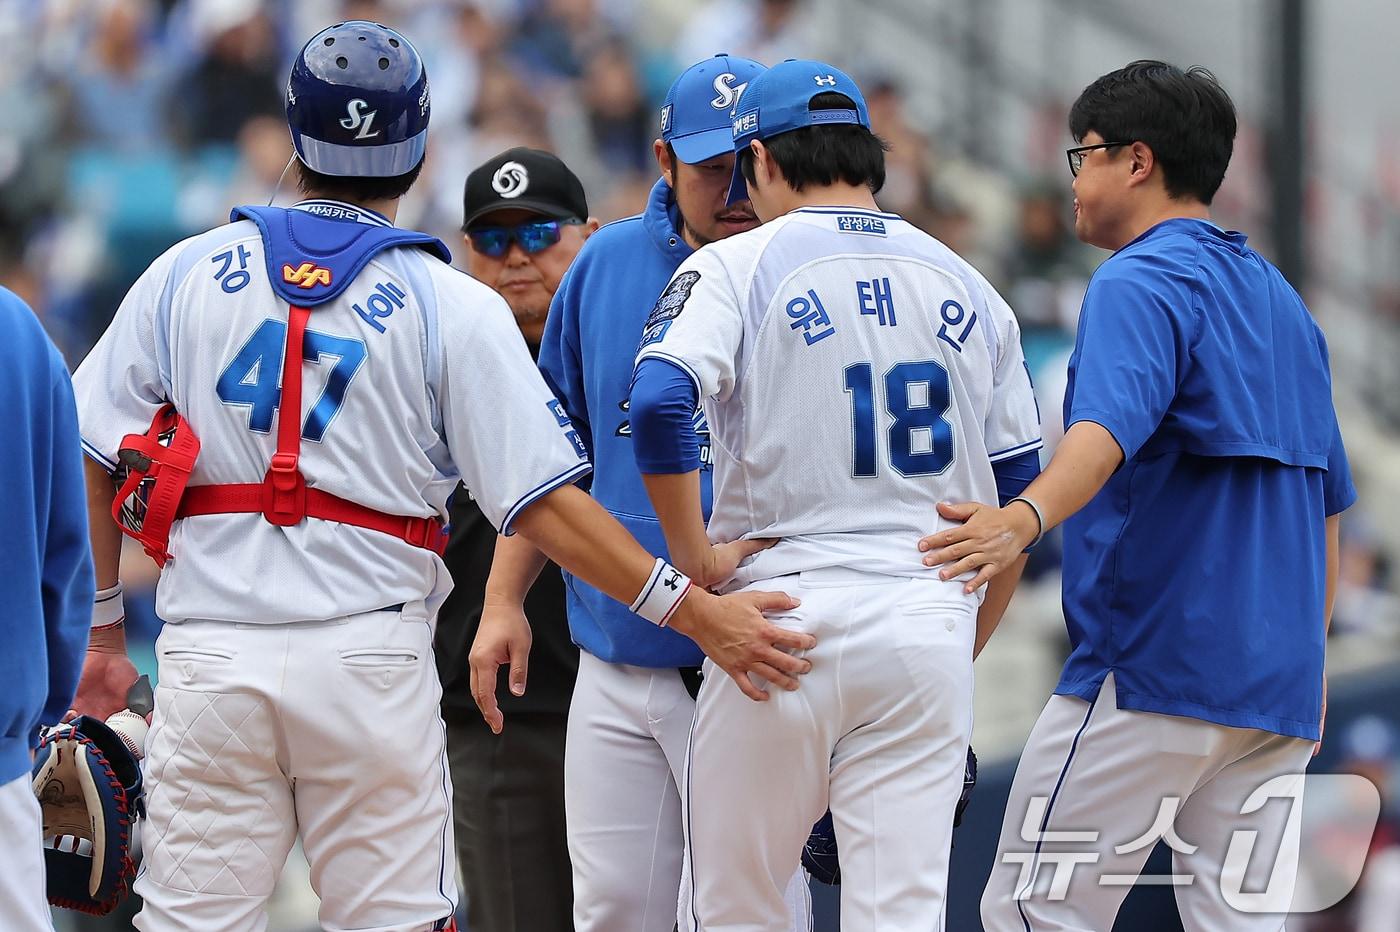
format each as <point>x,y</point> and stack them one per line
<point>89,786</point>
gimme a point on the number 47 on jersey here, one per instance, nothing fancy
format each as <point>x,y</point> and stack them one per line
<point>253,378</point>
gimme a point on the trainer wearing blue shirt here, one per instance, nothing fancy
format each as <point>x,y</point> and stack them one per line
<point>1200,482</point>
<point>630,716</point>
<point>47,589</point>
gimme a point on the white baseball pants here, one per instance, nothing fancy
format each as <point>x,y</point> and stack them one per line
<point>24,906</point>
<point>623,761</point>
<point>328,731</point>
<point>878,731</point>
<point>1097,786</point>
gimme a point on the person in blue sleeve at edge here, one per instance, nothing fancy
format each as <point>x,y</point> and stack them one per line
<point>630,716</point>
<point>48,586</point>
<point>1200,481</point>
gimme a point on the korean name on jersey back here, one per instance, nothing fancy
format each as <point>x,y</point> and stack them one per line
<point>873,298</point>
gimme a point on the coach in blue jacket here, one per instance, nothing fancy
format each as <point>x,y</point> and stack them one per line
<point>630,716</point>
<point>46,588</point>
<point>1201,479</point>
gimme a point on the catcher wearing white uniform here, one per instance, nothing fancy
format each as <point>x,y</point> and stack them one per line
<point>288,401</point>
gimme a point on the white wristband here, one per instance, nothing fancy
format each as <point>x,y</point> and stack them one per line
<point>663,592</point>
<point>107,608</point>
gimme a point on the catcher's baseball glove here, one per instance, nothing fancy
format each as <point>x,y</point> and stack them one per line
<point>820,856</point>
<point>89,788</point>
<point>969,782</point>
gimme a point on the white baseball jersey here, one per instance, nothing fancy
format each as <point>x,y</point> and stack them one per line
<point>855,372</point>
<point>415,377</point>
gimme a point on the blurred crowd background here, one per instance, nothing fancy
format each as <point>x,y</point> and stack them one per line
<point>130,124</point>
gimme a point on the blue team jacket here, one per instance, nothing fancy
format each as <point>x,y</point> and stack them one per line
<point>587,355</point>
<point>1197,574</point>
<point>47,586</point>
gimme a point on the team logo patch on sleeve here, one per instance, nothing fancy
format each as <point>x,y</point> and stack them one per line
<point>669,306</point>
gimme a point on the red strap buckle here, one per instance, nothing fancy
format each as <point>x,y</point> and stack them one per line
<point>284,491</point>
<point>284,487</point>
<point>427,533</point>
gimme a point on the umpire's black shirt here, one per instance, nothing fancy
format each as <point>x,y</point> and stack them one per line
<point>553,666</point>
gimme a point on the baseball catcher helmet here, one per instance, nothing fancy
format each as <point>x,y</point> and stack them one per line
<point>357,102</point>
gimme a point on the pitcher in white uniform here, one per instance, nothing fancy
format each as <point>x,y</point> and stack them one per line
<point>854,372</point>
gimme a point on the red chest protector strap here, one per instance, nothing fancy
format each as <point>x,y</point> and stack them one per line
<point>282,497</point>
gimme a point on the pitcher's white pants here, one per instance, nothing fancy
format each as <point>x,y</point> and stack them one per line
<point>878,731</point>
<point>327,730</point>
<point>24,907</point>
<point>1121,778</point>
<point>623,761</point>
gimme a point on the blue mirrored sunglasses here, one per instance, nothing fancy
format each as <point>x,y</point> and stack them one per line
<point>533,237</point>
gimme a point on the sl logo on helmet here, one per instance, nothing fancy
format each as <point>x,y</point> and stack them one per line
<point>357,118</point>
<point>510,180</point>
<point>306,275</point>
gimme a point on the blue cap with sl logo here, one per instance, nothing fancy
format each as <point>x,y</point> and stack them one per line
<point>695,118</point>
<point>779,100</point>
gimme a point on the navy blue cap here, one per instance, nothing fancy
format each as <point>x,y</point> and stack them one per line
<point>777,102</point>
<point>695,119</point>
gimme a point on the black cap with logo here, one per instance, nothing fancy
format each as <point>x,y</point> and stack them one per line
<point>524,179</point>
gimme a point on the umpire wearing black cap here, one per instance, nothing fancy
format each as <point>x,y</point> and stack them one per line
<point>525,219</point>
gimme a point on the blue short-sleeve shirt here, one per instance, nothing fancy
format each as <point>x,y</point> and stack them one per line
<point>1197,575</point>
